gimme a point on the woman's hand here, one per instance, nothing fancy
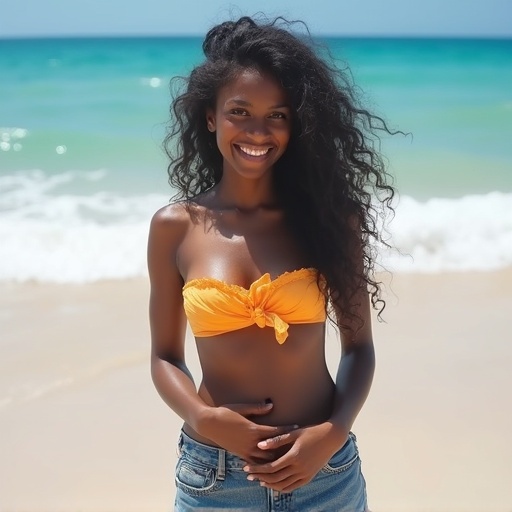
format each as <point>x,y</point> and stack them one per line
<point>311,448</point>
<point>230,426</point>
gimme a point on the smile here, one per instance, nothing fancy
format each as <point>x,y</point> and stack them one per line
<point>253,152</point>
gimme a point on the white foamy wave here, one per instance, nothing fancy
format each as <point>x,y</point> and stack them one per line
<point>468,233</point>
<point>50,236</point>
<point>67,237</point>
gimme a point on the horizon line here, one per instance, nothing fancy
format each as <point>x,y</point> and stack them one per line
<point>200,35</point>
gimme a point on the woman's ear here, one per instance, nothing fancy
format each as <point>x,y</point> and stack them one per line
<point>210,120</point>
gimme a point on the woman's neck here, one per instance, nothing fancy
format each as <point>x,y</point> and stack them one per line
<point>245,195</point>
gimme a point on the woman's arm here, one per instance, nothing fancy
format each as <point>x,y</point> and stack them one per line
<point>357,365</point>
<point>355,372</point>
<point>170,374</point>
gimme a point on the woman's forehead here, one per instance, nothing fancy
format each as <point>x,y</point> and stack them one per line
<point>253,86</point>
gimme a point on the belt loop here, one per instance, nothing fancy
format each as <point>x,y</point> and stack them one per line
<point>222,465</point>
<point>179,445</point>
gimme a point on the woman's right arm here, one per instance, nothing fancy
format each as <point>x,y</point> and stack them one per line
<point>171,376</point>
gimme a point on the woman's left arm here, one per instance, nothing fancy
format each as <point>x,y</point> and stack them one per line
<point>313,446</point>
<point>355,373</point>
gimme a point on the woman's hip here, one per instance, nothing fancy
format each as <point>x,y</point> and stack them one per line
<point>210,478</point>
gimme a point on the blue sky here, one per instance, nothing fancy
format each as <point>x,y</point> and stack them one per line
<point>477,18</point>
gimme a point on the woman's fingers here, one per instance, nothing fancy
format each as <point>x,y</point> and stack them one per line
<point>283,480</point>
<point>260,457</point>
<point>284,466</point>
<point>270,467</point>
<point>272,478</point>
<point>279,440</point>
<point>287,484</point>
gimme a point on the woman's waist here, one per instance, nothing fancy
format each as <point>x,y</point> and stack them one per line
<point>300,396</point>
<point>297,397</point>
<point>300,405</point>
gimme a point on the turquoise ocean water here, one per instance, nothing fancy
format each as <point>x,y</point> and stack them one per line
<point>82,170</point>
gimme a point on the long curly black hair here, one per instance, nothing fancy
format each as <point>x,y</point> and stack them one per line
<point>331,181</point>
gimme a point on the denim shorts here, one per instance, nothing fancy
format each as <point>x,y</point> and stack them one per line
<point>209,478</point>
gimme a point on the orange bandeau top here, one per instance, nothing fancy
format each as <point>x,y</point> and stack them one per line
<point>214,307</point>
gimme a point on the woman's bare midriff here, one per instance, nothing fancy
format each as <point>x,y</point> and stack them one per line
<point>249,366</point>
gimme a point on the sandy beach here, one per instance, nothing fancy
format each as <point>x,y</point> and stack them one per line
<point>83,429</point>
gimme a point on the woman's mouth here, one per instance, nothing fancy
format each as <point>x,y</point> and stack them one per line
<point>254,153</point>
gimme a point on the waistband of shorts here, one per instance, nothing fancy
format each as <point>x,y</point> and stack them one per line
<point>209,455</point>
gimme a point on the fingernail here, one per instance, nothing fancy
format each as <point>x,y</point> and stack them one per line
<point>262,443</point>
<point>246,469</point>
<point>250,477</point>
<point>295,426</point>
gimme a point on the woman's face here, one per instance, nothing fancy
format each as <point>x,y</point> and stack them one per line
<point>252,121</point>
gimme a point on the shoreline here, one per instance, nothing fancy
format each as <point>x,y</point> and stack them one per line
<point>84,429</point>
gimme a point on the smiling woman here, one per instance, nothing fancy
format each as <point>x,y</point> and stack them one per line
<point>252,123</point>
<point>270,233</point>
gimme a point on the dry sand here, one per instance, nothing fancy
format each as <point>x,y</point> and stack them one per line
<point>82,428</point>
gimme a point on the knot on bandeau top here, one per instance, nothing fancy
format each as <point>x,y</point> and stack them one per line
<point>262,318</point>
<point>214,307</point>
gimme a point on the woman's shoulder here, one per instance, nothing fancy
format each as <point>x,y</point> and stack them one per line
<point>175,219</point>
<point>169,229</point>
<point>178,213</point>
<point>174,213</point>
<point>170,222</point>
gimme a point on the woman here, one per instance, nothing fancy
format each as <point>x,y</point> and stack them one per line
<point>275,167</point>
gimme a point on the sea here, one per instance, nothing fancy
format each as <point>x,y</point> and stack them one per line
<point>82,168</point>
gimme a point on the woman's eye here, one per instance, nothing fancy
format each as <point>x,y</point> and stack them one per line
<point>278,115</point>
<point>239,112</point>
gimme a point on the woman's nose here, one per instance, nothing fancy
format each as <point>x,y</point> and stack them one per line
<point>257,128</point>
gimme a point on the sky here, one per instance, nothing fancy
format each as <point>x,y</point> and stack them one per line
<point>456,18</point>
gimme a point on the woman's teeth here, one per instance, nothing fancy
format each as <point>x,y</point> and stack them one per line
<point>254,152</point>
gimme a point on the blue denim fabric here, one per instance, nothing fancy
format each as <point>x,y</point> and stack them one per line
<point>209,478</point>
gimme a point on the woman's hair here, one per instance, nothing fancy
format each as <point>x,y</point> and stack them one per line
<point>331,181</point>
